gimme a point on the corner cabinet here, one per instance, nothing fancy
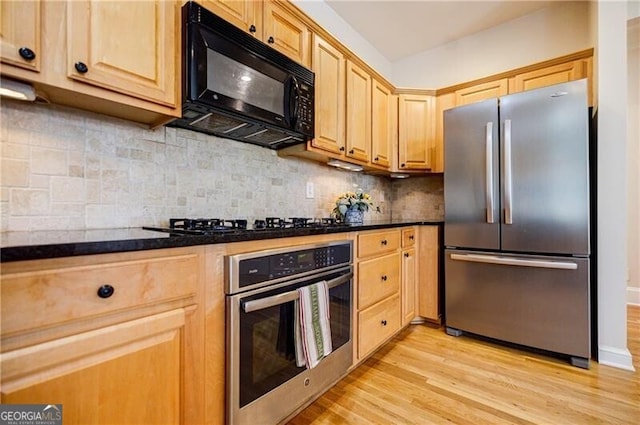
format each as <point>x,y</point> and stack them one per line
<point>428,285</point>
<point>121,340</point>
<point>116,58</point>
<point>416,132</point>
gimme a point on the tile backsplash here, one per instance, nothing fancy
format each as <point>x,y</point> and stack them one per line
<point>62,168</point>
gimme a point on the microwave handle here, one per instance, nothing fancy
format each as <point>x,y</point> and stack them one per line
<point>292,105</point>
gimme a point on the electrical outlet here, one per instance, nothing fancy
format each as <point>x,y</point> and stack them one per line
<point>310,190</point>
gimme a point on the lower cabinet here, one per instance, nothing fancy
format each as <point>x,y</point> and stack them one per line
<point>428,285</point>
<point>409,275</point>
<point>114,338</point>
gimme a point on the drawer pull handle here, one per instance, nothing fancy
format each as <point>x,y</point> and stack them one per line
<point>384,277</point>
<point>383,242</point>
<point>105,291</point>
<point>384,323</point>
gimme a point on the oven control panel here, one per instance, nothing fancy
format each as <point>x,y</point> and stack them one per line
<point>250,269</point>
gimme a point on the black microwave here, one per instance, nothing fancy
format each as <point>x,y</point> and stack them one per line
<point>237,87</point>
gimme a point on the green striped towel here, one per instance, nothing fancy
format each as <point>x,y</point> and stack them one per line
<point>312,327</point>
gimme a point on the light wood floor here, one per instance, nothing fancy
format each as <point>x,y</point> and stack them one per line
<point>424,376</point>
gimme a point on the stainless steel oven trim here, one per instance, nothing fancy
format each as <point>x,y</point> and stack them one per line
<point>262,303</point>
<point>232,263</point>
<point>233,304</point>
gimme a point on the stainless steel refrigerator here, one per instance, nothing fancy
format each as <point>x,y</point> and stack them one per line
<point>516,234</point>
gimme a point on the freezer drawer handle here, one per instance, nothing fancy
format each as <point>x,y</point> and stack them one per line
<point>508,193</point>
<point>286,297</point>
<point>489,172</point>
<point>507,261</point>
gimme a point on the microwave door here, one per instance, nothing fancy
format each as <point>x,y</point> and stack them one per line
<point>291,102</point>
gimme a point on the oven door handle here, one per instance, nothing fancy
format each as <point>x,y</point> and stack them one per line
<point>286,297</point>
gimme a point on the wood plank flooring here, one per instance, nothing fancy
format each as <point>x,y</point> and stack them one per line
<point>424,376</point>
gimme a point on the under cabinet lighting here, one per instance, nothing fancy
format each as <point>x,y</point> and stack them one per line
<point>344,165</point>
<point>399,175</point>
<point>17,90</point>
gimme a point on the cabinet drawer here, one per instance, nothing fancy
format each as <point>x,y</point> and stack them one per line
<point>378,243</point>
<point>377,323</point>
<point>42,298</point>
<point>408,237</point>
<point>377,279</point>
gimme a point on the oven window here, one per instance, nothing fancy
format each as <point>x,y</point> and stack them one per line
<point>267,347</point>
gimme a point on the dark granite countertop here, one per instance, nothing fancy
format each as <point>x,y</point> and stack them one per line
<point>37,245</point>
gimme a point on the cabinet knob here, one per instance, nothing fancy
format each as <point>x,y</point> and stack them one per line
<point>81,67</point>
<point>383,242</point>
<point>383,322</point>
<point>341,148</point>
<point>411,237</point>
<point>105,291</point>
<point>383,277</point>
<point>402,165</point>
<point>406,254</point>
<point>252,29</point>
<point>376,159</point>
<point>271,40</point>
<point>351,152</point>
<point>26,53</point>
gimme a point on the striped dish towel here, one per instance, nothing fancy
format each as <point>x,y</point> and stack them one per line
<point>312,327</point>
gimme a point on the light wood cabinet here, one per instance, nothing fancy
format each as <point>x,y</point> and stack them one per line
<point>269,21</point>
<point>329,67</point>
<point>358,108</point>
<point>129,47</point>
<point>131,353</point>
<point>428,272</point>
<point>116,58</point>
<point>416,131</point>
<point>382,124</point>
<point>378,304</point>
<point>480,92</point>
<point>409,275</point>
<point>20,35</point>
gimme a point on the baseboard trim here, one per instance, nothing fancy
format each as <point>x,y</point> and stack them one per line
<point>633,295</point>
<point>615,357</point>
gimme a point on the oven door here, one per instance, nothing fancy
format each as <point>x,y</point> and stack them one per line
<point>263,382</point>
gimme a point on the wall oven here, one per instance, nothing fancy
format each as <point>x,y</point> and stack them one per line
<point>264,385</point>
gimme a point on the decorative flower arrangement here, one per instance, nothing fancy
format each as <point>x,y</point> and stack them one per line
<point>353,201</point>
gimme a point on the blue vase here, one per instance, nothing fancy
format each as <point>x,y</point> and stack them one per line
<point>354,217</point>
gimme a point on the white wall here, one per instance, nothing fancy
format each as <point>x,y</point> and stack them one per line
<point>548,33</point>
<point>633,157</point>
<point>611,63</point>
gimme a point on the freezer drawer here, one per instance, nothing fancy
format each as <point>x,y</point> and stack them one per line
<point>537,301</point>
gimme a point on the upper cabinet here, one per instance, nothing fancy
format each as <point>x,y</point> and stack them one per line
<point>129,47</point>
<point>271,22</point>
<point>20,44</point>
<point>382,124</point>
<point>116,58</point>
<point>358,113</point>
<point>479,92</point>
<point>416,131</point>
<point>329,67</point>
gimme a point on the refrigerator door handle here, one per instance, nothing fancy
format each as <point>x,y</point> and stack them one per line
<point>508,193</point>
<point>509,261</point>
<point>489,172</point>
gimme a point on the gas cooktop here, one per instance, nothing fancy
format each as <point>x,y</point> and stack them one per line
<point>211,226</point>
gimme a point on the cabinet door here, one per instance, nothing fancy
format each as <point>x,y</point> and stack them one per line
<point>416,131</point>
<point>482,92</point>
<point>244,14</point>
<point>408,287</point>
<point>286,33</point>
<point>443,102</point>
<point>551,75</point>
<point>20,33</point>
<point>377,323</point>
<point>128,47</point>
<point>358,113</point>
<point>127,373</point>
<point>382,125</point>
<point>428,289</point>
<point>329,67</point>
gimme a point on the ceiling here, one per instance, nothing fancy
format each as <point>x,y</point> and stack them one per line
<point>398,29</point>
